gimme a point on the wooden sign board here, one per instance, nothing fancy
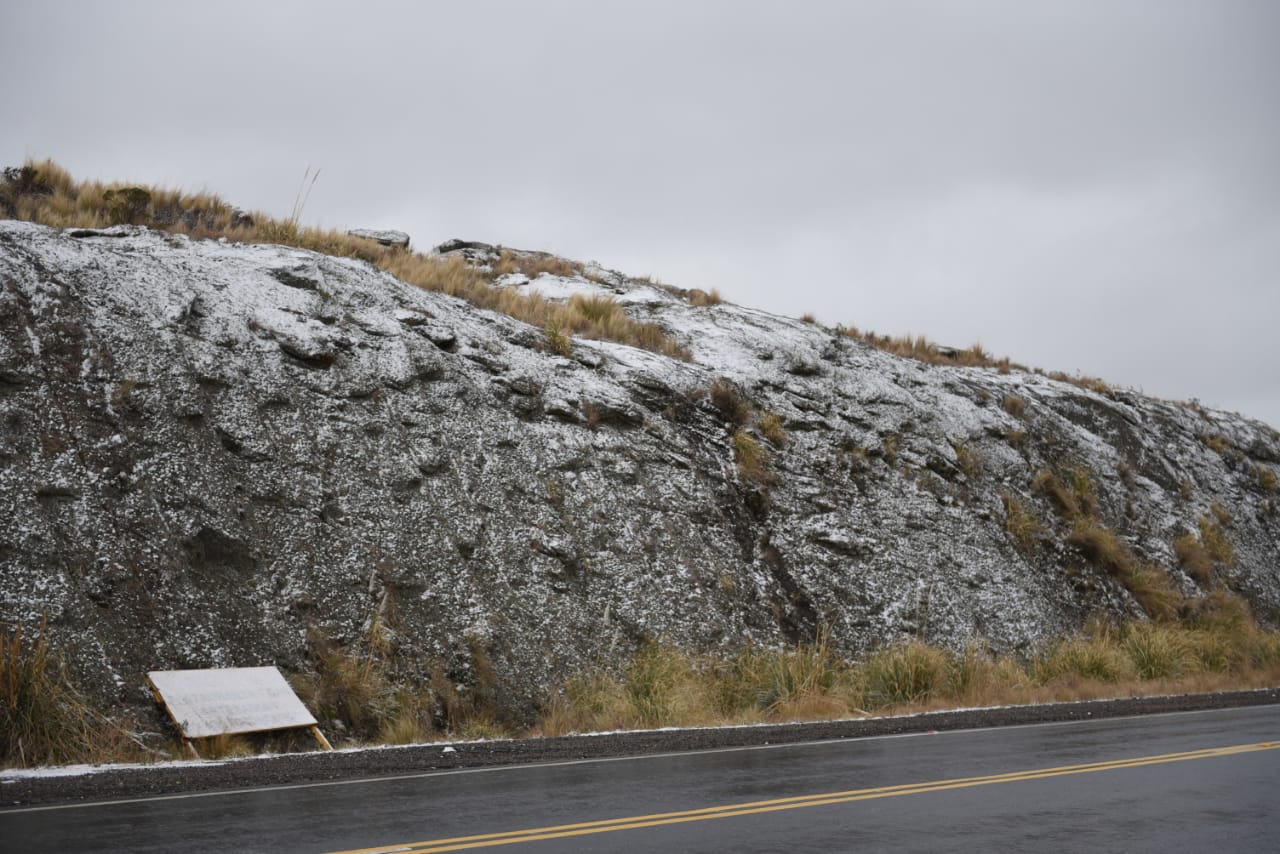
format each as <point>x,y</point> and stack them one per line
<point>229,701</point>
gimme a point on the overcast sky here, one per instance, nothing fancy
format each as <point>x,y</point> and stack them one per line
<point>1082,186</point>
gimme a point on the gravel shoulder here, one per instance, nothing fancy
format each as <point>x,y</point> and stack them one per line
<point>18,790</point>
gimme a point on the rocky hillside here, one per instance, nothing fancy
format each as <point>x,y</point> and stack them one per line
<point>209,449</point>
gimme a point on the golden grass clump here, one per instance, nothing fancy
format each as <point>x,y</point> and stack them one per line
<point>1158,651</point>
<point>979,676</point>
<point>1049,485</point>
<point>771,428</point>
<point>44,720</point>
<point>969,460</point>
<point>705,298</point>
<point>1214,537</point>
<point>751,457</point>
<point>730,401</point>
<point>1015,406</point>
<point>1096,657</point>
<point>911,672</point>
<point>1071,500</point>
<point>1150,585</point>
<point>1194,558</point>
<point>1020,522</point>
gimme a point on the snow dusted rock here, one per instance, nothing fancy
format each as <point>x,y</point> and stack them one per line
<point>207,448</point>
<point>386,237</point>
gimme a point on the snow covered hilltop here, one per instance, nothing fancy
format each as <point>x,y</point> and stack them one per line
<point>208,449</point>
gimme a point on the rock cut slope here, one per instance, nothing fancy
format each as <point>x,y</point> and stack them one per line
<point>208,449</point>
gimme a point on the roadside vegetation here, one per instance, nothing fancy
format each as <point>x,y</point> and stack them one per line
<point>46,193</point>
<point>1220,648</point>
<point>363,695</point>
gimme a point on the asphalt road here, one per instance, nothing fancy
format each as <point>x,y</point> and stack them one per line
<point>1196,781</point>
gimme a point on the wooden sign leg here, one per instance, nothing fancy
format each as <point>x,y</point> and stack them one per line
<point>191,746</point>
<point>324,742</point>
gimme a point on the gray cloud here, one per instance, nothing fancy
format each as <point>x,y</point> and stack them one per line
<point>1083,186</point>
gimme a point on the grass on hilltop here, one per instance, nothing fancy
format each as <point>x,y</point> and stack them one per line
<point>46,193</point>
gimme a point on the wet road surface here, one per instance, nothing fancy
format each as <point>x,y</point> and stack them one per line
<point>1198,781</point>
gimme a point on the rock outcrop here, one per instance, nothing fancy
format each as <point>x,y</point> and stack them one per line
<point>207,449</point>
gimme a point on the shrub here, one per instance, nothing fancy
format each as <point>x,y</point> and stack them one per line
<point>704,298</point>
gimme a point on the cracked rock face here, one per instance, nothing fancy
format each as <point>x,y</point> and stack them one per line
<point>208,448</point>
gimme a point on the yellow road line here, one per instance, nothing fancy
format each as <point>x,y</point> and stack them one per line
<point>460,843</point>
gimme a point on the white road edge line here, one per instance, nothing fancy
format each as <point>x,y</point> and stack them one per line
<point>571,762</point>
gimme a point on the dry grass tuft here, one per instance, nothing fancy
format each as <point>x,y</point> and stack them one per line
<point>534,264</point>
<point>1096,658</point>
<point>42,719</point>
<point>1049,485</point>
<point>730,402</point>
<point>911,672</point>
<point>704,298</point>
<point>1150,585</point>
<point>1214,537</point>
<point>557,341</point>
<point>1158,651</point>
<point>1216,442</point>
<point>1015,406</point>
<point>771,428</point>
<point>1021,522</point>
<point>1071,500</point>
<point>969,460</point>
<point>752,459</point>
<point>1194,558</point>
